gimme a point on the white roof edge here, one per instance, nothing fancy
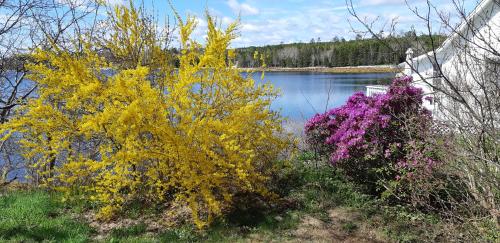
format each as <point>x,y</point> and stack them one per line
<point>462,27</point>
<point>479,8</point>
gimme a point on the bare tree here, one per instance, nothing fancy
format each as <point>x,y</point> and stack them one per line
<point>24,26</point>
<point>463,79</point>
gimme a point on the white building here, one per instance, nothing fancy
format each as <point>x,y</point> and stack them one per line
<point>472,50</point>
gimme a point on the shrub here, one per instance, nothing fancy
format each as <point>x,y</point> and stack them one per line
<point>378,141</point>
<point>197,135</point>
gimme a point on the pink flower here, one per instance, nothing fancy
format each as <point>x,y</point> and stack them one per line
<point>370,128</point>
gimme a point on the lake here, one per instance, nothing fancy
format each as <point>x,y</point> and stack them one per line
<point>304,94</point>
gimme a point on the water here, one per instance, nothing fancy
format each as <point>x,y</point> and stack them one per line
<point>304,94</point>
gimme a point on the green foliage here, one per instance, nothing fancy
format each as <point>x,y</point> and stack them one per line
<point>334,54</point>
<point>133,230</point>
<point>38,216</point>
<point>319,189</point>
<point>350,227</point>
<point>323,183</point>
<point>181,234</point>
<point>196,136</point>
<point>403,225</point>
<point>310,191</point>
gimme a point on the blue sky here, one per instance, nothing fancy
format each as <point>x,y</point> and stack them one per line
<point>275,21</point>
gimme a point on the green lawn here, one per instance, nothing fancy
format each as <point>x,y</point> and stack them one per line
<point>29,216</point>
<point>316,205</point>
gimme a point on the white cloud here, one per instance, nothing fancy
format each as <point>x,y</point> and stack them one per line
<point>115,2</point>
<point>201,27</point>
<point>312,19</point>
<point>247,27</point>
<point>382,2</point>
<point>227,20</point>
<point>242,8</point>
<point>291,26</point>
<point>387,2</point>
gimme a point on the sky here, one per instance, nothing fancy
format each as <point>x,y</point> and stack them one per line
<point>266,22</point>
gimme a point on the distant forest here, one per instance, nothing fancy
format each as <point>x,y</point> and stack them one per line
<point>337,53</point>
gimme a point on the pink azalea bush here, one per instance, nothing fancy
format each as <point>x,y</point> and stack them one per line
<point>378,139</point>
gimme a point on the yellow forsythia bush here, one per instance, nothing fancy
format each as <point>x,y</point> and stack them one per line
<point>197,134</point>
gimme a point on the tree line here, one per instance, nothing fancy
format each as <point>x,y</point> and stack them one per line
<point>338,52</point>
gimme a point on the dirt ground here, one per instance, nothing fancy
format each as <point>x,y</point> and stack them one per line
<point>314,230</point>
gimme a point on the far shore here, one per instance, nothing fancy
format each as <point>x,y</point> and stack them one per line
<point>351,69</point>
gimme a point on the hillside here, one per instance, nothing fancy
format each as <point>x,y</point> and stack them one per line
<point>338,53</point>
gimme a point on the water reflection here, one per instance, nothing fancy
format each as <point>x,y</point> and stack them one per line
<point>304,94</point>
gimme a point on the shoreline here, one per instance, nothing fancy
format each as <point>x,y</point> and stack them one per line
<point>349,69</point>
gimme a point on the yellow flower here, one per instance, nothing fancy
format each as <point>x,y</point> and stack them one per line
<point>202,133</point>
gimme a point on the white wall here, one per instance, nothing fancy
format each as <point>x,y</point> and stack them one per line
<point>455,56</point>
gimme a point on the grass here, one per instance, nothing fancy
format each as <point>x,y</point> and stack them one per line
<point>349,227</point>
<point>308,191</point>
<point>29,216</point>
<point>134,230</point>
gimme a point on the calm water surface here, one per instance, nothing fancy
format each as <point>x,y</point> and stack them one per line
<point>304,94</point>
